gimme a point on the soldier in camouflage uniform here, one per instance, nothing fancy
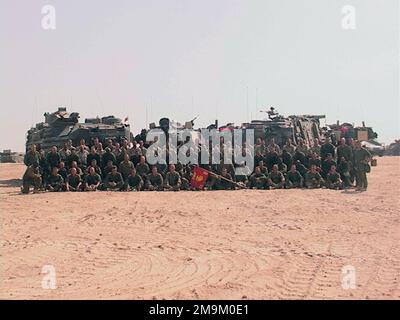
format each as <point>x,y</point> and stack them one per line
<point>74,181</point>
<point>31,177</point>
<point>333,180</point>
<point>276,180</point>
<point>172,179</point>
<point>289,147</point>
<point>32,156</point>
<point>55,182</point>
<point>114,180</point>
<point>134,181</point>
<point>154,180</point>
<point>258,180</point>
<point>361,165</point>
<point>313,179</point>
<point>294,178</point>
<point>92,180</point>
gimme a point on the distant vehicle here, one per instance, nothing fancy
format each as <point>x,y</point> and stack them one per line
<point>393,149</point>
<point>7,156</point>
<point>375,148</point>
<point>60,126</point>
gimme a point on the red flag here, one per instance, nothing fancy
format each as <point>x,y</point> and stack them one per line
<point>199,178</point>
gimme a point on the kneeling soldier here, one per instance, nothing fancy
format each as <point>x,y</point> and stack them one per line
<point>294,178</point>
<point>223,182</point>
<point>154,180</point>
<point>276,180</point>
<point>172,179</point>
<point>74,181</point>
<point>134,181</point>
<point>55,182</point>
<point>92,180</point>
<point>258,180</point>
<point>31,178</point>
<point>313,178</point>
<point>114,180</point>
<point>333,179</point>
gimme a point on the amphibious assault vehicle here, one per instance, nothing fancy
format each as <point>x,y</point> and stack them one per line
<point>60,126</point>
<point>366,135</point>
<point>281,128</point>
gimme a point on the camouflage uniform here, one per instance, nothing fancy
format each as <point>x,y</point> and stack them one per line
<point>258,181</point>
<point>154,182</point>
<point>276,180</point>
<point>134,182</point>
<point>361,166</point>
<point>92,180</point>
<point>172,181</point>
<point>313,180</point>
<point>55,183</point>
<point>294,179</point>
<point>31,178</point>
<point>113,178</point>
<point>333,181</point>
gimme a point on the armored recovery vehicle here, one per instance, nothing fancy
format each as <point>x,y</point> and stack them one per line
<point>60,126</point>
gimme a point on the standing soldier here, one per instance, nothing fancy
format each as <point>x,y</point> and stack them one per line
<point>327,148</point>
<point>32,156</point>
<point>53,158</point>
<point>361,165</point>
<point>343,150</point>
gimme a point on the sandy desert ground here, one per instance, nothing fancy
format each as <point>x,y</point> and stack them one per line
<point>285,244</point>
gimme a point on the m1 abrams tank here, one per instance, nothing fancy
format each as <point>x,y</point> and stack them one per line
<point>60,126</point>
<point>281,128</point>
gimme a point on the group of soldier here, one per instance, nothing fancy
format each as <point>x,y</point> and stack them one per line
<point>123,166</point>
<point>319,166</point>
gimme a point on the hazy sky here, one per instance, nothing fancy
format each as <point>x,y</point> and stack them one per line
<point>222,59</point>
